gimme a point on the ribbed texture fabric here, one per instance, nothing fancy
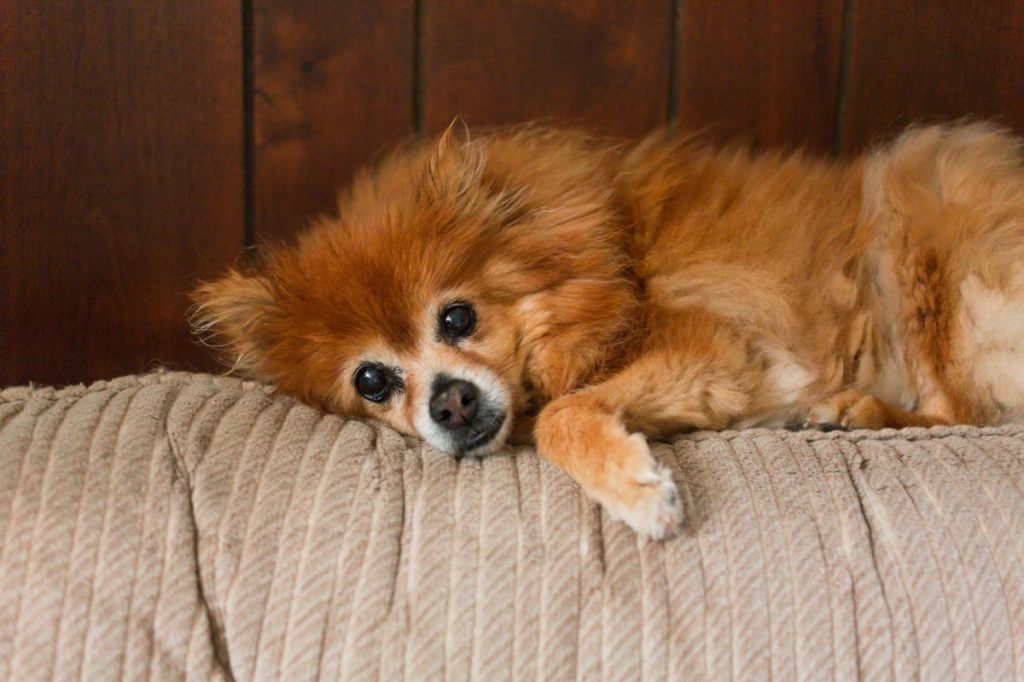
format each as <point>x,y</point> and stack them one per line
<point>175,525</point>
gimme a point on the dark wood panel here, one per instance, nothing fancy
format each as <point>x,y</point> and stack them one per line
<point>333,84</point>
<point>120,180</point>
<point>761,71</point>
<point>933,59</point>
<point>603,64</point>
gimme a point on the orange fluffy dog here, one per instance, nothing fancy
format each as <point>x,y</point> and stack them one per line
<point>538,282</point>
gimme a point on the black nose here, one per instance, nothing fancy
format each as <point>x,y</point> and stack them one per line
<point>454,402</point>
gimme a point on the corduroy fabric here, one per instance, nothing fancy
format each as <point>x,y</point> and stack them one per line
<point>175,525</point>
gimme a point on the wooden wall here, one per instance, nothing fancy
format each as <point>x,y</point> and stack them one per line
<point>144,144</point>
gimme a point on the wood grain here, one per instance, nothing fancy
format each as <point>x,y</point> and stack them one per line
<point>933,59</point>
<point>603,64</point>
<point>120,180</point>
<point>122,128</point>
<point>333,84</point>
<point>763,71</point>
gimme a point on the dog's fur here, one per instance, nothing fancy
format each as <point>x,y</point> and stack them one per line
<point>650,288</point>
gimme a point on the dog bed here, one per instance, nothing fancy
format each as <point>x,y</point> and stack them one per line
<point>176,525</point>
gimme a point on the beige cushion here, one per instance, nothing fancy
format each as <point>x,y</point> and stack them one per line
<point>173,524</point>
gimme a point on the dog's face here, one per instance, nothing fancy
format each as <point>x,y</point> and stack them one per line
<point>450,299</point>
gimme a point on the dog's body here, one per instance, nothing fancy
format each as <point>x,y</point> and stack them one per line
<point>543,282</point>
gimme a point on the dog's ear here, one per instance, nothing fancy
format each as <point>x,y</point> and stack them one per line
<point>454,167</point>
<point>455,176</point>
<point>231,315</point>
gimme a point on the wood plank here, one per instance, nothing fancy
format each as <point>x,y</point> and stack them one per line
<point>602,64</point>
<point>763,71</point>
<point>933,60</point>
<point>333,84</point>
<point>120,180</point>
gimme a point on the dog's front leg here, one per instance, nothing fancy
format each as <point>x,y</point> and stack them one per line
<point>694,372</point>
<point>584,434</point>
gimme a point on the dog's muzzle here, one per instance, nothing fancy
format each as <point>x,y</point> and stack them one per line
<point>469,419</point>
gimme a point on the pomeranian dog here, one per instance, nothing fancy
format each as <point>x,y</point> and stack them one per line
<point>535,283</point>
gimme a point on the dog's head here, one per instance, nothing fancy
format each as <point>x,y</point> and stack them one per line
<point>463,284</point>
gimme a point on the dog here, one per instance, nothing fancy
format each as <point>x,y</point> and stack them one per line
<point>539,284</point>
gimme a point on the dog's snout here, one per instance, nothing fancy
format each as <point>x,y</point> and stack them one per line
<point>454,403</point>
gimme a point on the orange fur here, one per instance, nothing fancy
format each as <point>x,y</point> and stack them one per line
<point>655,287</point>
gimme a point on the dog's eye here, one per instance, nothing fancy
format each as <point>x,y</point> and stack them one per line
<point>458,320</point>
<point>375,382</point>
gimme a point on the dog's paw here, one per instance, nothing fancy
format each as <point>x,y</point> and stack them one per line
<point>658,513</point>
<point>846,410</point>
<point>645,498</point>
